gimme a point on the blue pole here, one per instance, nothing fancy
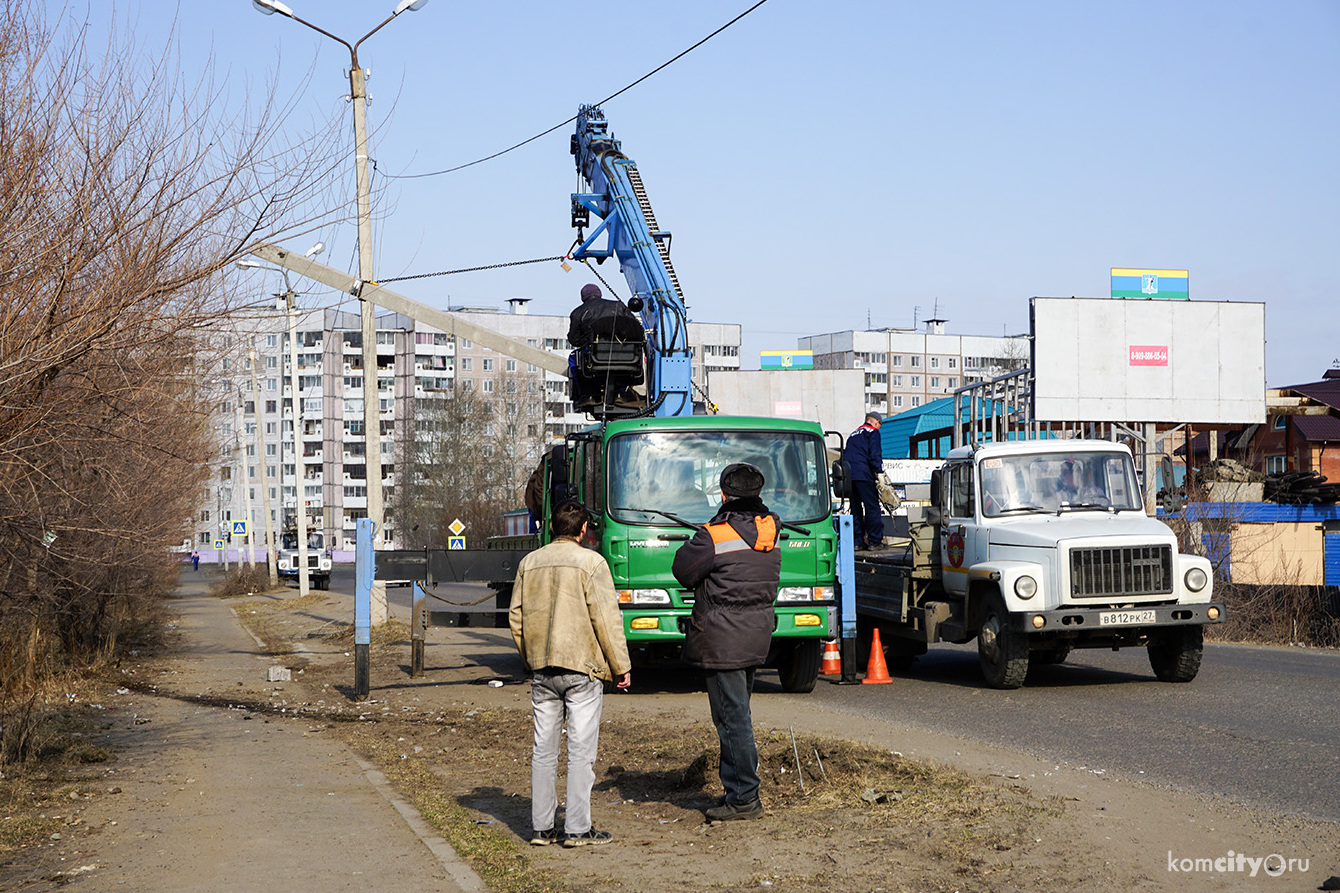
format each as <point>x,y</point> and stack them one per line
<point>364,570</point>
<point>846,581</point>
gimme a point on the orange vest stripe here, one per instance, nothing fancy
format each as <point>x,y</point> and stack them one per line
<point>722,532</point>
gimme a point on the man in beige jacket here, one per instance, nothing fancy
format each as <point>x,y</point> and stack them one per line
<point>566,624</point>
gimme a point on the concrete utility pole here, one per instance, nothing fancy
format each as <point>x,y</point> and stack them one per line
<point>371,401</point>
<point>299,504</point>
<point>260,456</point>
<point>246,480</point>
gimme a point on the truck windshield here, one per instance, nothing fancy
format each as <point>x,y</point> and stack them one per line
<point>289,540</point>
<point>1056,481</point>
<point>679,471</point>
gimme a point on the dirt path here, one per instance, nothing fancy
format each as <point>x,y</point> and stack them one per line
<point>206,798</point>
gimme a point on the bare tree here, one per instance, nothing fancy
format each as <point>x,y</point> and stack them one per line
<point>125,195</point>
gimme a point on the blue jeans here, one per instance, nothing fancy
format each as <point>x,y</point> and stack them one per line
<point>728,694</point>
<point>576,698</point>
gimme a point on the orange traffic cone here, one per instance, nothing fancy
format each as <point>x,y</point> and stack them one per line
<point>832,662</point>
<point>876,672</point>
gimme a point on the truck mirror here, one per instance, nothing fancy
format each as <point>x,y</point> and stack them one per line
<point>559,486</point>
<point>935,488</point>
<point>933,515</point>
<point>840,479</point>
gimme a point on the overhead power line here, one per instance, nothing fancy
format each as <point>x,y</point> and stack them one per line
<point>544,133</point>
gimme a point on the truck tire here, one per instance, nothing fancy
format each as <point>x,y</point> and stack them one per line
<point>1001,651</point>
<point>1175,654</point>
<point>799,668</point>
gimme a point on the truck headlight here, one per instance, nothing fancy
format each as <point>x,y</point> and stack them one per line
<point>644,597</point>
<point>804,594</point>
<point>1195,579</point>
<point>1025,587</point>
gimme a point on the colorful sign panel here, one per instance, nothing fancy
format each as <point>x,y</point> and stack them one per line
<point>786,359</point>
<point>1129,282</point>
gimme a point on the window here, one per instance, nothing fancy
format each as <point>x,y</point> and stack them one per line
<point>916,401</point>
<point>935,362</point>
<point>953,382</point>
<point>916,382</point>
<point>270,406</point>
<point>467,364</point>
<point>935,381</point>
<point>271,341</point>
<point>488,364</point>
<point>466,343</point>
<point>953,362</point>
<point>916,362</point>
<point>896,381</point>
<point>510,365</point>
<point>488,386</point>
<point>272,362</point>
<point>1281,422</point>
<point>1276,465</point>
<point>961,504</point>
<point>897,360</point>
<point>898,400</point>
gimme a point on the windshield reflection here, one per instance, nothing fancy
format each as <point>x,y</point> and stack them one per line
<point>678,472</point>
<point>1055,481</point>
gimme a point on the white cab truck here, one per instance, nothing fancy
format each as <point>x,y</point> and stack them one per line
<point>1035,548</point>
<point>318,559</point>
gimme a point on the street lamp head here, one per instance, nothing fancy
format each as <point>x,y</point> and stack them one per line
<point>315,249</point>
<point>411,5</point>
<point>270,7</point>
<point>245,264</point>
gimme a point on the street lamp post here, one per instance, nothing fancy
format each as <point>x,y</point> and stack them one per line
<point>371,401</point>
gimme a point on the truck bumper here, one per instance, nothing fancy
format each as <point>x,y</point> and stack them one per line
<point>1100,620</point>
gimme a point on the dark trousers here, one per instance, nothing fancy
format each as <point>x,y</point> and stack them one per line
<point>728,694</point>
<point>867,520</point>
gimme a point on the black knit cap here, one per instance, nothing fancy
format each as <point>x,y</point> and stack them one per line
<point>741,479</point>
<point>589,291</point>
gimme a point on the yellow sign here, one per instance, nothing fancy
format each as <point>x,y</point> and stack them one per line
<point>456,527</point>
<point>455,543</point>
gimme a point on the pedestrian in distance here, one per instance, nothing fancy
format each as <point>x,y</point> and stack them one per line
<point>195,561</point>
<point>734,567</point>
<point>566,624</point>
<point>864,456</point>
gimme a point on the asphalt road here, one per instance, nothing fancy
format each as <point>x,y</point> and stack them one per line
<point>1259,725</point>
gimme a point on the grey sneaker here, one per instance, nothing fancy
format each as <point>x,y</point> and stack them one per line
<point>730,812</point>
<point>545,837</point>
<point>591,837</point>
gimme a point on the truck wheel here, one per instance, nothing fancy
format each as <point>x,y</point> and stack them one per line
<point>799,669</point>
<point>1175,654</point>
<point>1002,652</point>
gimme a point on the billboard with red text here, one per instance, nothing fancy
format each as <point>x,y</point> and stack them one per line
<point>1127,360</point>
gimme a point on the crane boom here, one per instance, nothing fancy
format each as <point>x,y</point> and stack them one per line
<point>632,235</point>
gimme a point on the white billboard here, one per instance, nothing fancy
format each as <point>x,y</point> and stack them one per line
<point>1126,360</point>
<point>835,398</point>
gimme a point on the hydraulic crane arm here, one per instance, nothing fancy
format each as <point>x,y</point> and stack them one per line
<point>631,234</point>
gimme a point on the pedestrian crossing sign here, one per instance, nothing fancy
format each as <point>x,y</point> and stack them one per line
<point>239,528</point>
<point>455,543</point>
<point>218,544</point>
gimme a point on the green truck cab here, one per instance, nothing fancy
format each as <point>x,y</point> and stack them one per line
<point>650,483</point>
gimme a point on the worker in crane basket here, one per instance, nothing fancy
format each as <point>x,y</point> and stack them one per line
<point>598,319</point>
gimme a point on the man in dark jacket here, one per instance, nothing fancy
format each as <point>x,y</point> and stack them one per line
<point>865,460</point>
<point>734,568</point>
<point>597,318</point>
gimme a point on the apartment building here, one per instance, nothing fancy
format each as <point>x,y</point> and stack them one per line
<point>260,471</point>
<point>905,368</point>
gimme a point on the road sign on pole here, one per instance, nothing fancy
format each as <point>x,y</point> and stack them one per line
<point>239,528</point>
<point>455,543</point>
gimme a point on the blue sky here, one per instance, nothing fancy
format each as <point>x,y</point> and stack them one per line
<point>839,166</point>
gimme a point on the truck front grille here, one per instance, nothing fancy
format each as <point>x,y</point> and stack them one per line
<point>1121,571</point>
